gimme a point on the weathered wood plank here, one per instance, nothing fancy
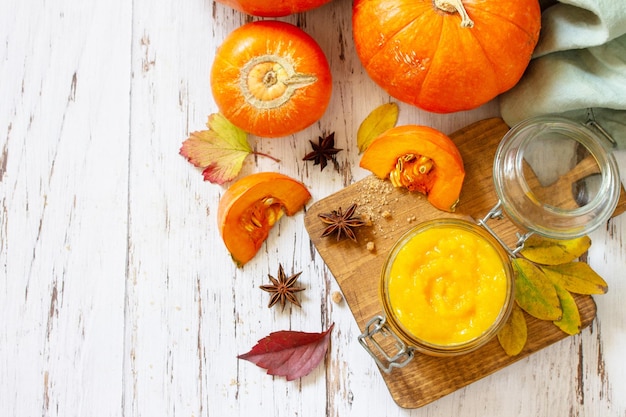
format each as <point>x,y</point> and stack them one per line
<point>65,111</point>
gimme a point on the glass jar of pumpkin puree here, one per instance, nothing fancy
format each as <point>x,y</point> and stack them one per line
<point>446,288</point>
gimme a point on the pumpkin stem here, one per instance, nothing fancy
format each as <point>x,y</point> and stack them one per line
<point>451,6</point>
<point>266,155</point>
<point>269,81</point>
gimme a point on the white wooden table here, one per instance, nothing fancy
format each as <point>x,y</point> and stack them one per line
<point>117,295</point>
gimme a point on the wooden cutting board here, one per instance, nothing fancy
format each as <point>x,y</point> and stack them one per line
<point>393,211</point>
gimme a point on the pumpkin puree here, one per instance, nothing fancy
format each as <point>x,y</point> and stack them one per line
<point>447,286</point>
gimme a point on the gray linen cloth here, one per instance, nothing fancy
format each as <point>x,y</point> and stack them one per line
<point>578,69</point>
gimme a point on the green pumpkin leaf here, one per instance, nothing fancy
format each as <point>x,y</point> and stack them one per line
<point>380,120</point>
<point>534,291</point>
<point>546,251</point>
<point>570,321</point>
<point>514,333</point>
<point>577,277</point>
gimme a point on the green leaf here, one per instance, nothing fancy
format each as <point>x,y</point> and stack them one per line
<point>570,321</point>
<point>220,150</point>
<point>380,120</point>
<point>546,251</point>
<point>534,292</point>
<point>514,333</point>
<point>577,277</point>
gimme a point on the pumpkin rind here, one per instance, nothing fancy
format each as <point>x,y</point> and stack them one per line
<point>295,54</point>
<point>382,154</point>
<point>290,194</point>
<point>273,8</point>
<point>422,56</point>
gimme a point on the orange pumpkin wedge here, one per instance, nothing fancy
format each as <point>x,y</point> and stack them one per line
<point>421,159</point>
<point>251,206</point>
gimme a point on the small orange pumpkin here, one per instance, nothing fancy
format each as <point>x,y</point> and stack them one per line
<point>271,79</point>
<point>273,8</point>
<point>251,206</point>
<point>421,159</point>
<point>445,55</point>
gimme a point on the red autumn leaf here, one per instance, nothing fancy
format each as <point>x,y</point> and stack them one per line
<point>288,353</point>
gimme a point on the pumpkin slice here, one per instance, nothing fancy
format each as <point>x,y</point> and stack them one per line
<point>251,206</point>
<point>421,159</point>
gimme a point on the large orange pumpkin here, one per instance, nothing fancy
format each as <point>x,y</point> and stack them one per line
<point>271,79</point>
<point>273,8</point>
<point>445,55</point>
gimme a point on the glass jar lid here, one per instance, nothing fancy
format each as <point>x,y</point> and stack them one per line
<point>555,177</point>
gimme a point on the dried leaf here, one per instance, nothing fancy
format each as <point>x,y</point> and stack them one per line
<point>546,272</point>
<point>546,251</point>
<point>535,292</point>
<point>220,150</point>
<point>378,121</point>
<point>288,353</point>
<point>577,277</point>
<point>570,321</point>
<point>514,333</point>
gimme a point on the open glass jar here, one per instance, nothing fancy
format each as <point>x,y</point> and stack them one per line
<point>447,286</point>
<point>556,177</point>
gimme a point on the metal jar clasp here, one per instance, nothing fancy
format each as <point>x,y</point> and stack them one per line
<point>496,213</point>
<point>386,361</point>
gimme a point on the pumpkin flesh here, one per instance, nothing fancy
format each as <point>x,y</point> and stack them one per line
<point>422,55</point>
<point>435,165</point>
<point>251,206</point>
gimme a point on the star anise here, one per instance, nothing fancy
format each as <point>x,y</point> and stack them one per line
<point>282,289</point>
<point>323,152</point>
<point>341,223</point>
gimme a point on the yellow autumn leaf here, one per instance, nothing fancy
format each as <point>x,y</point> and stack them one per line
<point>546,251</point>
<point>570,321</point>
<point>514,333</point>
<point>535,292</point>
<point>577,277</point>
<point>380,120</point>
